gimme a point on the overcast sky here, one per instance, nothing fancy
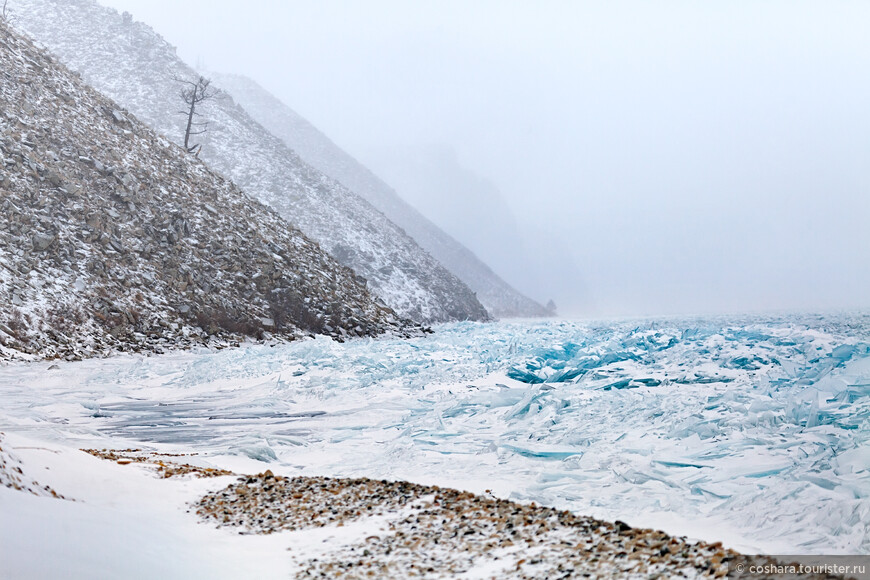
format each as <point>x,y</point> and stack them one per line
<point>658,157</point>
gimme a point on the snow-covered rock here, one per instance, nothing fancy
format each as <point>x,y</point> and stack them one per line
<point>499,298</point>
<point>135,66</point>
<point>107,242</point>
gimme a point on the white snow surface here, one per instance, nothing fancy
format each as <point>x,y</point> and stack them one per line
<point>123,522</point>
<point>752,431</point>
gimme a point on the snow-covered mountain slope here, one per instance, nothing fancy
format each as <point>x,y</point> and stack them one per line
<point>114,239</point>
<point>135,66</point>
<point>499,298</point>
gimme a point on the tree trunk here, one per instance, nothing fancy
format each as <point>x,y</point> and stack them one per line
<point>190,120</point>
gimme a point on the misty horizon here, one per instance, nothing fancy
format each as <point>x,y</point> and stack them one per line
<point>667,159</point>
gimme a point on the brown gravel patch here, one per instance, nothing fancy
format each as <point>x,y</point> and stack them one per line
<point>434,532</point>
<point>166,467</point>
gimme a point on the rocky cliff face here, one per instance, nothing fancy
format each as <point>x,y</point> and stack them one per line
<point>132,64</point>
<point>113,239</point>
<point>499,298</point>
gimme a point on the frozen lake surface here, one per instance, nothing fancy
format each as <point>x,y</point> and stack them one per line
<point>754,430</point>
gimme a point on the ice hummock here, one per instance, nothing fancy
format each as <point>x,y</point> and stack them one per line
<point>751,430</point>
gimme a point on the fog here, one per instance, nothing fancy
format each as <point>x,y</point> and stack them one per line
<point>638,158</point>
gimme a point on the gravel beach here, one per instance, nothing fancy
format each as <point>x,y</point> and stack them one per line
<point>433,532</point>
<point>324,527</point>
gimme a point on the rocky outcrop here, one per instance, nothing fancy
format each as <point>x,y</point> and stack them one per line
<point>113,239</point>
<point>132,64</point>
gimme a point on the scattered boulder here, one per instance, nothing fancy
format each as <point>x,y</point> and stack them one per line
<point>41,242</point>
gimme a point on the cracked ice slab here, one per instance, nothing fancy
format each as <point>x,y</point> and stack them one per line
<point>749,430</point>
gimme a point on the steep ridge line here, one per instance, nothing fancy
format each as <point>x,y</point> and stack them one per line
<point>114,240</point>
<point>135,66</point>
<point>315,148</point>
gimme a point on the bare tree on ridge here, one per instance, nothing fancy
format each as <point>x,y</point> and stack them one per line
<point>193,93</point>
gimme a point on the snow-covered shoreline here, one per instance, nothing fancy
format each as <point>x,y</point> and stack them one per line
<point>753,436</point>
<point>119,522</point>
<point>122,520</point>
